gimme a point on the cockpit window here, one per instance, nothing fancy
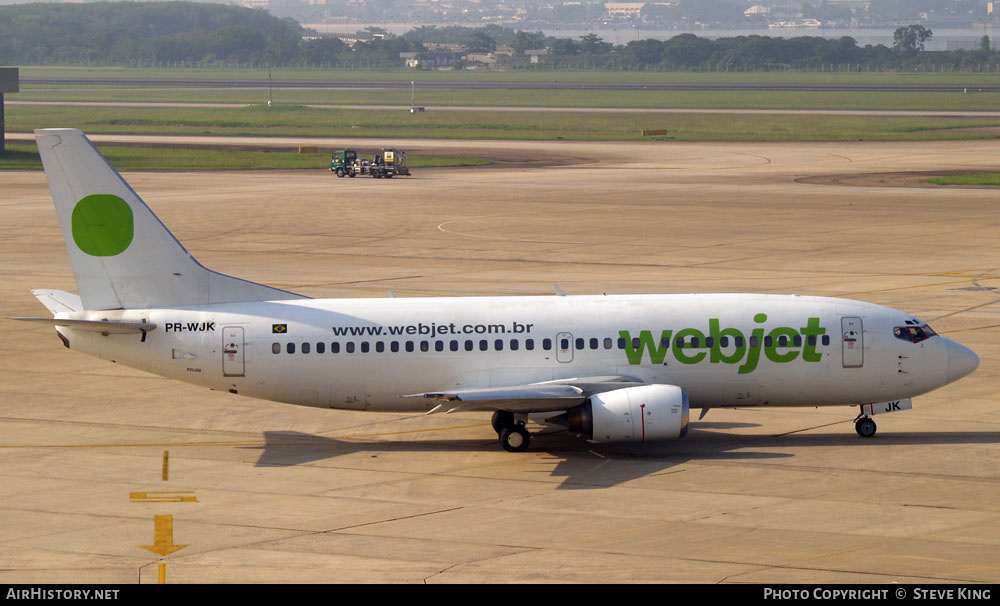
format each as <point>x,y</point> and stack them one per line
<point>913,333</point>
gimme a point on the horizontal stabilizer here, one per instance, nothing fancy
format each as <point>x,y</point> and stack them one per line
<point>106,327</point>
<point>58,301</point>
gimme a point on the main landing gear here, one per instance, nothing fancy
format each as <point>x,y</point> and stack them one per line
<point>511,431</point>
<point>865,426</point>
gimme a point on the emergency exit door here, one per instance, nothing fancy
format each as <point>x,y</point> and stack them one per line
<point>232,351</point>
<point>853,342</point>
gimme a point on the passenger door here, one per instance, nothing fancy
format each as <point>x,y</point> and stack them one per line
<point>853,341</point>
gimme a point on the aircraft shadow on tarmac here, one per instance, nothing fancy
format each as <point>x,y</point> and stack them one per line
<point>583,465</point>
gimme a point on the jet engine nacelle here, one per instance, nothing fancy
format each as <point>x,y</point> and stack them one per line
<point>648,412</point>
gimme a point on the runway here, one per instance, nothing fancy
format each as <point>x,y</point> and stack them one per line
<point>601,110</point>
<point>93,455</point>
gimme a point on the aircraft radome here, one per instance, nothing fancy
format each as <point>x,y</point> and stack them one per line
<point>611,368</point>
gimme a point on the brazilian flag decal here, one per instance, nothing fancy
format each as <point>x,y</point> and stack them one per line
<point>279,328</point>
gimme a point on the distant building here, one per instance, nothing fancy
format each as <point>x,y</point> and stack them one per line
<point>624,9</point>
<point>757,9</point>
<point>534,54</point>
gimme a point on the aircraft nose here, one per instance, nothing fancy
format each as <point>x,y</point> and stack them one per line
<point>961,361</point>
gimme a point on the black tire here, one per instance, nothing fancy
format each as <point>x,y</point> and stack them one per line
<point>340,173</point>
<point>865,427</point>
<point>502,420</point>
<point>515,438</point>
<point>352,175</point>
<point>376,174</point>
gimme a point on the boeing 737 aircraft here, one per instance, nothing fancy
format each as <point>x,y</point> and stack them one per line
<point>611,368</point>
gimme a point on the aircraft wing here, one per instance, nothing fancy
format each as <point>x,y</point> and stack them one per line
<point>535,397</point>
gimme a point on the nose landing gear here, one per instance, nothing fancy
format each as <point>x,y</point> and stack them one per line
<point>865,426</point>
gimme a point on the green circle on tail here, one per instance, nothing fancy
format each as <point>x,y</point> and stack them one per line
<point>103,225</point>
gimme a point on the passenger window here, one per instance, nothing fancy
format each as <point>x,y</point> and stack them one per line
<point>453,345</point>
<point>768,341</point>
<point>364,347</point>
<point>276,348</point>
<point>579,343</point>
<point>826,339</point>
<point>529,344</point>
<point>621,342</point>
<point>679,343</point>
<point>608,343</point>
<point>709,341</point>
<point>425,346</point>
<point>723,341</point>
<point>546,344</point>
<point>409,347</point>
<point>335,347</point>
<point>469,345</point>
<point>513,345</point>
<point>564,344</point>
<point>379,346</point>
<point>811,340</point>
<point>305,348</point>
<point>738,341</point>
<point>635,343</point>
<point>484,345</point>
<point>754,341</point>
<point>349,348</point>
<point>290,348</point>
<point>438,345</point>
<point>394,346</point>
<point>498,344</point>
<point>797,341</point>
<point>694,341</point>
<point>321,347</point>
<point>594,343</point>
<point>782,341</point>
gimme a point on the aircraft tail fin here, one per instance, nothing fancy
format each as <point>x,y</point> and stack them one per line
<point>123,257</point>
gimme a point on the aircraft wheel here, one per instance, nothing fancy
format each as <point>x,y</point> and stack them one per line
<point>865,427</point>
<point>515,438</point>
<point>501,420</point>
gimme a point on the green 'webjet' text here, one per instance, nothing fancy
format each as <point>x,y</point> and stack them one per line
<point>728,345</point>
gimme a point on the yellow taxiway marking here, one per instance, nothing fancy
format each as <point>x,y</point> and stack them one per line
<point>163,536</point>
<point>166,465</point>
<point>163,573</point>
<point>177,496</point>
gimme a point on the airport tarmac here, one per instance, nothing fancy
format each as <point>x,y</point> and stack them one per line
<point>94,456</point>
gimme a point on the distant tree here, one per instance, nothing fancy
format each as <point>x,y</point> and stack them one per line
<point>321,50</point>
<point>910,39</point>
<point>527,41</point>
<point>479,41</point>
<point>562,46</point>
<point>984,43</point>
<point>592,44</point>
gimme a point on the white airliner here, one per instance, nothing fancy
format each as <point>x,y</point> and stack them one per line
<point>611,368</point>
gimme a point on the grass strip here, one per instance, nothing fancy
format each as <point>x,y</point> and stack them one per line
<point>977,179</point>
<point>232,72</point>
<point>641,99</point>
<point>604,126</point>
